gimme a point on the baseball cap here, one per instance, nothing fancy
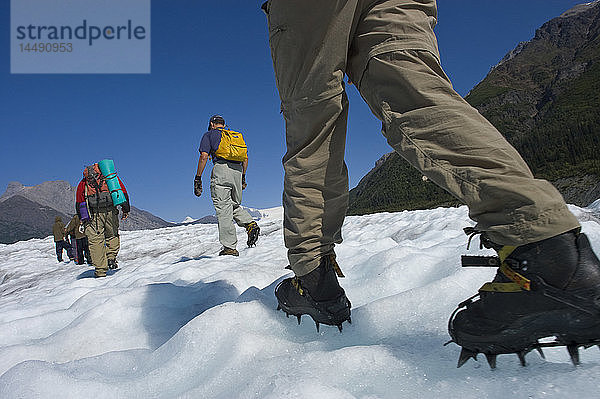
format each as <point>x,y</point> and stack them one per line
<point>217,119</point>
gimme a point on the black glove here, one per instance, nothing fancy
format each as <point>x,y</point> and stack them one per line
<point>198,186</point>
<point>244,185</point>
<point>125,207</point>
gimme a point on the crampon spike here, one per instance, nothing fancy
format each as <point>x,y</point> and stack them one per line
<point>541,353</point>
<point>491,359</point>
<point>466,354</point>
<point>317,324</point>
<point>521,355</point>
<point>574,354</point>
<point>339,326</point>
<point>278,307</point>
<point>287,314</point>
<point>299,318</point>
<point>350,322</point>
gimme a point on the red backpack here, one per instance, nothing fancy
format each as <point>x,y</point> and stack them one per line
<point>94,180</point>
<point>97,193</point>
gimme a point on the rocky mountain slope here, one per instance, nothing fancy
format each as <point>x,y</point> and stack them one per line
<point>21,219</point>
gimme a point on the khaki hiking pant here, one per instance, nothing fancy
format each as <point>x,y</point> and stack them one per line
<point>226,193</point>
<point>103,239</point>
<point>389,51</point>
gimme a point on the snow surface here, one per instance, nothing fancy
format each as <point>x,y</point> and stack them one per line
<point>268,213</point>
<point>178,321</point>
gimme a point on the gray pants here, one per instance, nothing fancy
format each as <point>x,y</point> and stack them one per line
<point>226,193</point>
<point>388,49</point>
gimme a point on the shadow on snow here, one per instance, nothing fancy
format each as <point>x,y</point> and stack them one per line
<point>168,307</point>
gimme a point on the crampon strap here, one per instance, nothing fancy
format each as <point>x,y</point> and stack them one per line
<point>335,266</point>
<point>519,282</point>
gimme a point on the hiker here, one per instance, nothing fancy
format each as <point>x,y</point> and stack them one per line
<point>59,232</point>
<point>76,231</point>
<point>548,271</point>
<point>102,228</point>
<point>227,180</point>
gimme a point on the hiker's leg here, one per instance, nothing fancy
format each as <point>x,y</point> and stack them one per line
<point>70,249</point>
<point>80,251</point>
<point>446,139</point>
<point>86,249</point>
<point>309,44</point>
<point>94,231</point>
<point>220,191</point>
<point>240,215</point>
<point>111,235</point>
<point>59,250</point>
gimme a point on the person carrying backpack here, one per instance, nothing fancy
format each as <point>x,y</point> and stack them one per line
<point>59,232</point>
<point>102,226</point>
<point>82,249</point>
<point>230,158</point>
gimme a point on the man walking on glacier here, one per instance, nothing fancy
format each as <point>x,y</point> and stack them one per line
<point>228,179</point>
<point>548,279</point>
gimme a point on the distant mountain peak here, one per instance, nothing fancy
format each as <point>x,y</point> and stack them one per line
<point>12,188</point>
<point>579,8</point>
<point>57,194</point>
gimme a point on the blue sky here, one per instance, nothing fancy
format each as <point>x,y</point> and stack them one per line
<point>211,57</point>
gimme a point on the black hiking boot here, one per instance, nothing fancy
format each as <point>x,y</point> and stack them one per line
<point>112,264</point>
<point>253,231</point>
<point>550,288</point>
<point>317,294</point>
<point>229,251</point>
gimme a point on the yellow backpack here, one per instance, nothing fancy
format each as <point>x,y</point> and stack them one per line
<point>232,146</point>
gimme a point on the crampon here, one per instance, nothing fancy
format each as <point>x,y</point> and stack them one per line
<point>253,232</point>
<point>316,294</point>
<point>333,312</point>
<point>545,294</point>
<point>523,342</point>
